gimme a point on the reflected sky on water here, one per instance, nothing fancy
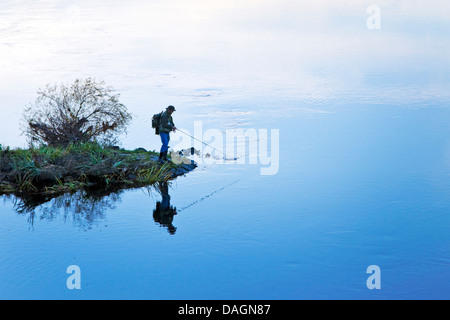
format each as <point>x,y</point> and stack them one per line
<point>364,149</point>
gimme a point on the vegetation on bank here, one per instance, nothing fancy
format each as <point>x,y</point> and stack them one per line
<point>48,170</point>
<point>68,128</point>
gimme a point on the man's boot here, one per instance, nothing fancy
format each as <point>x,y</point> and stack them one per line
<point>165,156</point>
<point>160,159</point>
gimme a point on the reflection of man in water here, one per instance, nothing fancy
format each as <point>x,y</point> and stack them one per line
<point>164,212</point>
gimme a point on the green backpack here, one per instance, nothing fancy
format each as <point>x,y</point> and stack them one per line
<point>156,120</point>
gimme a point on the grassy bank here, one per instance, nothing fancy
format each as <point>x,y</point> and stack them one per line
<point>54,170</point>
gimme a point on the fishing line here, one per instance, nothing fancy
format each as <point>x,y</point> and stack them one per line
<point>224,155</point>
<point>207,196</point>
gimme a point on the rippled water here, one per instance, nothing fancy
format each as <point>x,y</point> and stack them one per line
<point>364,150</point>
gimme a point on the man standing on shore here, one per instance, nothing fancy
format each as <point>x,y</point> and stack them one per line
<point>165,127</point>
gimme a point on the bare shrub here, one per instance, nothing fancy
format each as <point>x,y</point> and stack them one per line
<point>83,111</point>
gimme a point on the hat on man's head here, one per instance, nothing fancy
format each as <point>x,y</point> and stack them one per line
<point>171,108</point>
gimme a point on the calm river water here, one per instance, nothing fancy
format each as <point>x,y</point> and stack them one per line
<point>355,116</point>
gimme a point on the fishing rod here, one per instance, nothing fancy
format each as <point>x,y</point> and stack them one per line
<point>225,156</point>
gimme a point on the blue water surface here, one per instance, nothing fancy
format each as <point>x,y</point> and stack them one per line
<point>364,151</point>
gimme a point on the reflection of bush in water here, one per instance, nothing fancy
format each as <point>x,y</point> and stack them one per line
<point>82,208</point>
<point>85,208</point>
